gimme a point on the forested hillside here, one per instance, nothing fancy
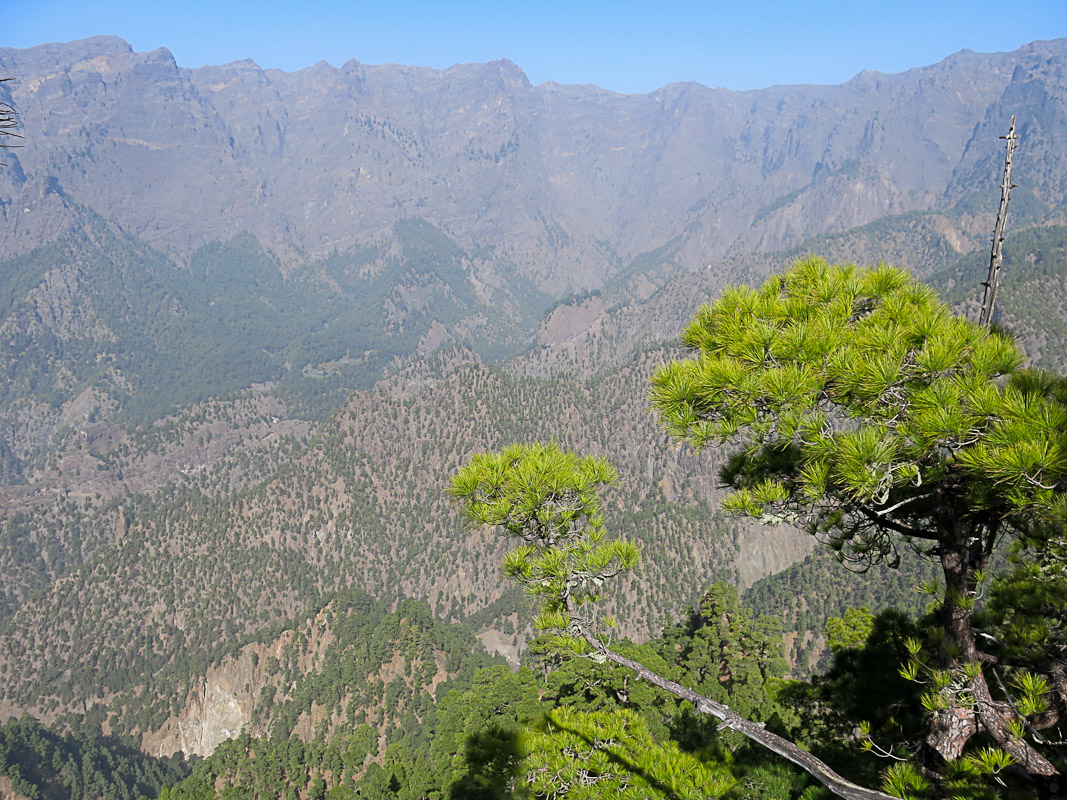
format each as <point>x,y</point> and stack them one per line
<point>363,506</point>
<point>1034,291</point>
<point>354,701</point>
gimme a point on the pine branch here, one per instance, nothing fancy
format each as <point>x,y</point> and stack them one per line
<point>915,533</point>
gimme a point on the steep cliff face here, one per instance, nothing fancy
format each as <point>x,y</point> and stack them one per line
<point>218,707</point>
<point>560,185</point>
<point>1037,97</point>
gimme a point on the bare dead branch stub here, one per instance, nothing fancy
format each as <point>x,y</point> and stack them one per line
<point>996,257</point>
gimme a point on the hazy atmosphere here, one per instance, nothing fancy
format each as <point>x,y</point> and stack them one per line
<point>570,401</point>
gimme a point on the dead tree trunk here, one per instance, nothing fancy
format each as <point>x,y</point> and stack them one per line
<point>996,257</point>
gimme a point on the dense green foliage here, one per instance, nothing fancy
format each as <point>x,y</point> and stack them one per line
<point>590,755</point>
<point>549,500</point>
<point>804,596</point>
<point>44,765</point>
<point>499,734</point>
<point>847,386</point>
<point>147,332</point>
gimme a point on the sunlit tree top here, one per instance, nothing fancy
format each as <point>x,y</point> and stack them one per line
<point>861,405</point>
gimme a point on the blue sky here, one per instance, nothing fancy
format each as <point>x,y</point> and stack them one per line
<point>624,46</point>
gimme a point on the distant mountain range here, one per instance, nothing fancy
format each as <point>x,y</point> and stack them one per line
<point>559,187</point>
<point>250,320</point>
<point>204,230</point>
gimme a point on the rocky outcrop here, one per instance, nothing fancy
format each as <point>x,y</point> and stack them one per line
<point>766,550</point>
<point>217,709</point>
<point>221,704</point>
<point>8,792</point>
<point>317,676</point>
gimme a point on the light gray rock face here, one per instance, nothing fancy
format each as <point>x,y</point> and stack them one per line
<point>221,714</point>
<point>219,707</point>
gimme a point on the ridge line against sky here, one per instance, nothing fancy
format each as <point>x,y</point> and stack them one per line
<point>623,46</point>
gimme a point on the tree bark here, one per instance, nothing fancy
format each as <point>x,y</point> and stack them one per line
<point>954,727</point>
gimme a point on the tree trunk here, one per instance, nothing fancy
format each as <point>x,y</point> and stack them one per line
<point>973,709</point>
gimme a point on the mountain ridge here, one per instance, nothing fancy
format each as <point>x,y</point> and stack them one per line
<point>401,137</point>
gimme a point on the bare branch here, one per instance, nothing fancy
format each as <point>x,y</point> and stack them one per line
<point>873,515</point>
<point>996,257</point>
<point>755,731</point>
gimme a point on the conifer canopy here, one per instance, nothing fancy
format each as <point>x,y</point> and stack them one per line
<point>863,408</point>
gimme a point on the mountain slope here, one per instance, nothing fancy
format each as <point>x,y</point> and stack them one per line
<point>1032,296</point>
<point>204,262</point>
<point>364,506</point>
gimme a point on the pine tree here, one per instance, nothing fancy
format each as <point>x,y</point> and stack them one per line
<point>548,499</point>
<point>861,409</point>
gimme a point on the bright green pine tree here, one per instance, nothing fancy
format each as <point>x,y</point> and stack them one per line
<point>861,408</point>
<point>1026,616</point>
<point>547,498</point>
<point>580,755</point>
